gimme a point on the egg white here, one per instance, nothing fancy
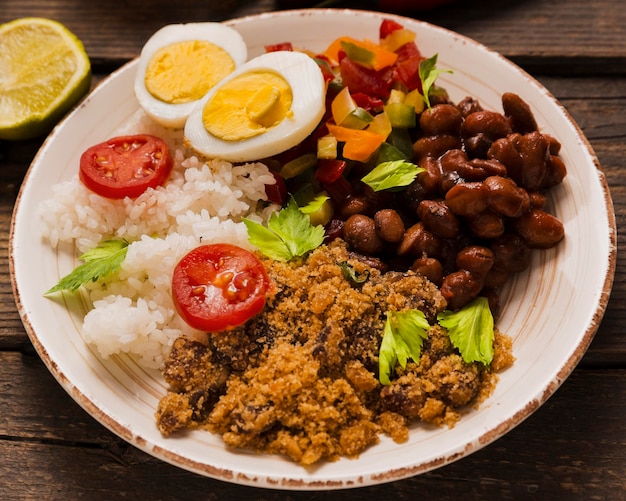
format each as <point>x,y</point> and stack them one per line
<point>304,77</point>
<point>175,115</point>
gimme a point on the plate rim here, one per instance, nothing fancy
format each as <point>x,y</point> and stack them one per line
<point>281,482</point>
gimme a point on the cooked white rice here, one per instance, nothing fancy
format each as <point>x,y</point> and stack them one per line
<point>203,202</point>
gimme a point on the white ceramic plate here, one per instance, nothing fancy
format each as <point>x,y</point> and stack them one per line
<point>552,311</point>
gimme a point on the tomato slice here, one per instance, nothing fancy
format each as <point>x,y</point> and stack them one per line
<point>363,80</point>
<point>125,166</point>
<point>219,286</point>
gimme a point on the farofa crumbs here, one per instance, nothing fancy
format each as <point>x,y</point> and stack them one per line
<point>301,378</point>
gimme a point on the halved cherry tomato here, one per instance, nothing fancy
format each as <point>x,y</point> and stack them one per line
<point>125,166</point>
<point>219,286</point>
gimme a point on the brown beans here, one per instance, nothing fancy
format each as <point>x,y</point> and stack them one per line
<point>505,197</point>
<point>438,218</point>
<point>486,225</point>
<point>478,169</point>
<point>469,105</point>
<point>490,123</point>
<point>389,225</point>
<point>371,261</point>
<point>354,204</point>
<point>441,119</point>
<point>505,151</point>
<point>537,200</point>
<point>555,172</point>
<point>448,180</point>
<point>359,232</point>
<point>511,253</point>
<point>495,278</point>
<point>452,160</point>
<point>470,219</point>
<point>533,148</point>
<point>555,145</point>
<point>435,146</point>
<point>467,199</point>
<point>430,268</point>
<point>430,178</point>
<point>418,241</point>
<point>540,229</point>
<point>475,258</point>
<point>519,113</point>
<point>460,287</point>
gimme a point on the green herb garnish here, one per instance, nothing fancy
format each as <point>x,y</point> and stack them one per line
<point>471,330</point>
<point>393,174</point>
<point>314,205</point>
<point>289,233</point>
<point>99,262</point>
<point>428,73</point>
<point>352,275</point>
<point>402,339</point>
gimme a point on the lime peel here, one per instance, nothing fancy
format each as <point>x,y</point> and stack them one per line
<point>44,72</point>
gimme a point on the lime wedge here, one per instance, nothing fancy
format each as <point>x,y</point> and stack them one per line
<point>44,71</point>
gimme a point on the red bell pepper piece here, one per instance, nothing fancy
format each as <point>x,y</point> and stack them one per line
<point>329,170</point>
<point>366,102</point>
<point>388,26</point>
<point>277,192</point>
<point>339,190</point>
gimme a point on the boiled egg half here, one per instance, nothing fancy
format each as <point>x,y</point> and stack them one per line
<point>266,106</point>
<point>179,65</point>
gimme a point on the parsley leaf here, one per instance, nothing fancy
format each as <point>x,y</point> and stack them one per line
<point>393,174</point>
<point>428,74</point>
<point>289,234</point>
<point>99,262</point>
<point>402,339</point>
<point>471,330</point>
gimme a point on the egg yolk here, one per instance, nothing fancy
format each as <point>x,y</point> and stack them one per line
<point>248,106</point>
<point>183,72</point>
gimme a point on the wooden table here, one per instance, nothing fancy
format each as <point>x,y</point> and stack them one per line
<point>573,447</point>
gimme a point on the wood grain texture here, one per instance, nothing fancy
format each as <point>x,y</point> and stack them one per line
<point>573,447</point>
<point>558,35</point>
<point>556,453</point>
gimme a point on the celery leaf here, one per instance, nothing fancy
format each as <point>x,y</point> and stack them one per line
<point>393,174</point>
<point>289,233</point>
<point>402,340</point>
<point>314,205</point>
<point>99,262</point>
<point>471,330</point>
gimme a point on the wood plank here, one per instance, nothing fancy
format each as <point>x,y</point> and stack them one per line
<point>556,36</point>
<point>560,38</point>
<point>49,445</point>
